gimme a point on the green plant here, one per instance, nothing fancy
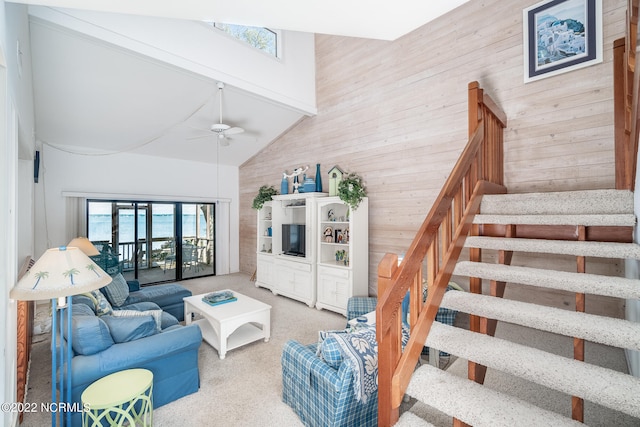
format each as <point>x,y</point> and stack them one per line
<point>264,195</point>
<point>351,190</point>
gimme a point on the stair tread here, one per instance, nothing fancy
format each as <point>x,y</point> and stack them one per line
<point>559,247</point>
<point>475,404</point>
<point>594,284</point>
<point>613,220</point>
<point>604,330</point>
<point>563,202</point>
<point>409,419</point>
<point>604,386</point>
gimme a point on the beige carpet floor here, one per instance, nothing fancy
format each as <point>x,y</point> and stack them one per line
<point>244,389</point>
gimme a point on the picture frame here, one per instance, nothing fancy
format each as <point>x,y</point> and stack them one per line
<point>561,36</point>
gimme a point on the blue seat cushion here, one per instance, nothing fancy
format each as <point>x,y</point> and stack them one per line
<point>125,329</point>
<point>90,334</point>
<point>163,295</point>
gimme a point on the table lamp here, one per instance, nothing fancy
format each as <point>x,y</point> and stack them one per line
<point>60,273</point>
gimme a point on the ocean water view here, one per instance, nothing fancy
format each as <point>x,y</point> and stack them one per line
<point>163,226</point>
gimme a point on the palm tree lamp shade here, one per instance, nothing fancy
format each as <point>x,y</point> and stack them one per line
<point>59,273</point>
<point>84,245</point>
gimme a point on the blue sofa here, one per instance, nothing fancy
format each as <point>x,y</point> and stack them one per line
<point>135,334</point>
<point>168,297</point>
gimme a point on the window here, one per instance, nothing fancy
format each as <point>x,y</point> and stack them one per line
<point>261,38</point>
<point>154,242</point>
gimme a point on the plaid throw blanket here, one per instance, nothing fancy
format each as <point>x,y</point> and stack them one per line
<point>360,351</point>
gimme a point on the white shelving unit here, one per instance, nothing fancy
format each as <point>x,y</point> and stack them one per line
<point>332,269</point>
<point>289,275</point>
<point>343,253</point>
<point>264,248</point>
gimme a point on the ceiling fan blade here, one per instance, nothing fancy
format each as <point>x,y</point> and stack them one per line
<point>233,131</point>
<point>198,137</point>
<point>220,127</point>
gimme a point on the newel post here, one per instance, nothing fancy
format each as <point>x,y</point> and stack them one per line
<point>388,354</point>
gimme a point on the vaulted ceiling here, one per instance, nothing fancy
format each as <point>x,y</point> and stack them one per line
<point>97,97</point>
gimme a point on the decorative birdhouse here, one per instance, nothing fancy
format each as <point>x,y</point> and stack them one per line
<point>335,176</point>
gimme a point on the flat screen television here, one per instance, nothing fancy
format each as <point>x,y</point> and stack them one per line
<point>293,239</point>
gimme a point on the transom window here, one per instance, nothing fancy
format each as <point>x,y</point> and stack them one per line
<point>260,38</point>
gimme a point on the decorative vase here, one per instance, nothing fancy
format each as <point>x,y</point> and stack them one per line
<point>284,184</point>
<point>318,179</point>
<point>308,185</point>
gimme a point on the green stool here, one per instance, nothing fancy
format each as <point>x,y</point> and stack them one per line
<point>124,396</point>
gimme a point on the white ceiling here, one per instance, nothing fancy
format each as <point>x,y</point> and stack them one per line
<point>94,97</point>
<point>377,19</point>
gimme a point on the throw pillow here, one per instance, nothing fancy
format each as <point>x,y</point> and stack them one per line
<point>100,304</point>
<point>328,349</point>
<point>157,315</point>
<point>90,334</point>
<point>330,352</point>
<point>117,291</point>
<point>124,329</point>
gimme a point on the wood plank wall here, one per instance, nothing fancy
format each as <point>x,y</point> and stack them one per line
<point>396,113</point>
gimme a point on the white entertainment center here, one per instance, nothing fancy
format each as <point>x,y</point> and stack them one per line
<point>314,249</point>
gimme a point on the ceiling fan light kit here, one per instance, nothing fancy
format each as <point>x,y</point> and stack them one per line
<point>221,128</point>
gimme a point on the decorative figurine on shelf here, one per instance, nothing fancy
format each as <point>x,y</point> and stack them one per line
<point>284,184</point>
<point>331,216</point>
<point>335,176</point>
<point>328,235</point>
<point>296,172</point>
<point>318,179</point>
<point>309,185</point>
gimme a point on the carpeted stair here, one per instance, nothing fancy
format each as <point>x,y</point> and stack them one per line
<point>477,405</point>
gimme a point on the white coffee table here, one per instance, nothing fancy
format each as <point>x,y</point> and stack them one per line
<point>231,325</point>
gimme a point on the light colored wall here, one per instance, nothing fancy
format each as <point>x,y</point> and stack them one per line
<point>151,178</point>
<point>396,113</point>
<point>16,187</point>
<point>196,47</point>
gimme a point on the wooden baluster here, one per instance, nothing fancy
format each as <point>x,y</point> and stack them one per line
<point>388,352</point>
<point>577,404</point>
<point>475,286</point>
<point>415,301</point>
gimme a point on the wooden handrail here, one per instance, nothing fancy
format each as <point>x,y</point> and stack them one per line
<point>478,171</point>
<point>626,89</point>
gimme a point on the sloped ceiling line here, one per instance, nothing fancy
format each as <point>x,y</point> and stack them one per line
<point>163,133</point>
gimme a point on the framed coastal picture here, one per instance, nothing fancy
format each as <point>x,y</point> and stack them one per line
<point>561,36</point>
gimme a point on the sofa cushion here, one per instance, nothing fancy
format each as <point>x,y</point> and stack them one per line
<point>167,319</point>
<point>163,295</point>
<point>83,299</point>
<point>117,291</point>
<point>101,305</point>
<point>155,314</point>
<point>90,335</point>
<point>124,329</point>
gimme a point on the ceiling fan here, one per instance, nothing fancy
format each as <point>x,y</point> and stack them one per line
<point>221,129</point>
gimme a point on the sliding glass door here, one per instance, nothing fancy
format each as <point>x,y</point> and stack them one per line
<point>155,242</point>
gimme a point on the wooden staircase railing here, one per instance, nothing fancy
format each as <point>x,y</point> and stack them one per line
<point>625,95</point>
<point>438,243</point>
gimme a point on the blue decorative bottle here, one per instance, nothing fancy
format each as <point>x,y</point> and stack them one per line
<point>284,184</point>
<point>318,179</point>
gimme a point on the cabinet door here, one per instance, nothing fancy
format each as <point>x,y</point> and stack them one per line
<point>303,284</point>
<point>264,272</point>
<point>333,287</point>
<point>295,279</point>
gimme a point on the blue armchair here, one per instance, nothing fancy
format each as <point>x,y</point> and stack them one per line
<point>322,395</point>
